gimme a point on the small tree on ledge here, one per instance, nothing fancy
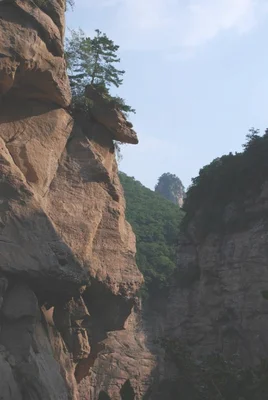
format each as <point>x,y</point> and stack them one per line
<point>92,61</point>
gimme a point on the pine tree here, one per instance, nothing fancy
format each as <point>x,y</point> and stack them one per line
<point>104,55</point>
<point>91,61</point>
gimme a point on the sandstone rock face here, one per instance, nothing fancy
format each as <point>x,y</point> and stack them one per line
<point>68,278</point>
<point>32,63</point>
<point>108,115</point>
<point>128,356</point>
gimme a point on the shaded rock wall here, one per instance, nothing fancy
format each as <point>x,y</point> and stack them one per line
<point>218,301</point>
<point>68,277</point>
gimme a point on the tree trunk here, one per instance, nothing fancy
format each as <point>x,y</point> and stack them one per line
<point>95,67</point>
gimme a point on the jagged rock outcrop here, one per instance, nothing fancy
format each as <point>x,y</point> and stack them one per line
<point>107,114</point>
<point>171,187</point>
<point>68,277</point>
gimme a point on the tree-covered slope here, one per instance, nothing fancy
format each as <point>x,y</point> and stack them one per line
<point>155,222</point>
<point>230,179</point>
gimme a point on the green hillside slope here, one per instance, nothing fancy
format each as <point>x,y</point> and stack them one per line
<point>155,222</point>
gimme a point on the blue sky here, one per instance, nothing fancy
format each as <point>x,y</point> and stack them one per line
<point>196,73</point>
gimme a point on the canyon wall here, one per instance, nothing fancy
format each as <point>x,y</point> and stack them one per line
<point>71,324</point>
<point>218,299</point>
<point>68,277</point>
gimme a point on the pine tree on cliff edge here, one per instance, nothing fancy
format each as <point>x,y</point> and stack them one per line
<point>92,61</point>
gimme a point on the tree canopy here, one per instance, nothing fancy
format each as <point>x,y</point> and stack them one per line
<point>155,222</point>
<point>227,180</point>
<point>93,61</point>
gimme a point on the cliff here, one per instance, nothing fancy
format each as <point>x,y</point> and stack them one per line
<point>218,294</point>
<point>68,277</point>
<point>71,324</point>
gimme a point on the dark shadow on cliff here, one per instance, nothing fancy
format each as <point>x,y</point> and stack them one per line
<point>14,109</point>
<point>127,392</point>
<point>43,261</point>
<point>153,310</point>
<point>104,396</point>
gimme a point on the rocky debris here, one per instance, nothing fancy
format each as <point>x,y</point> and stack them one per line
<point>111,117</point>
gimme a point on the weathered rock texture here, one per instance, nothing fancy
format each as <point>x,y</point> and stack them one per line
<point>107,113</point>
<point>68,277</point>
<point>219,297</point>
<point>31,51</point>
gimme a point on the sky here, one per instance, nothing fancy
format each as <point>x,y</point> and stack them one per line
<point>196,73</point>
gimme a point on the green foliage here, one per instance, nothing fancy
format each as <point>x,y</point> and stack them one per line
<point>213,377</point>
<point>121,104</point>
<point>227,180</point>
<point>70,3</point>
<point>155,222</point>
<point>171,187</point>
<point>91,61</point>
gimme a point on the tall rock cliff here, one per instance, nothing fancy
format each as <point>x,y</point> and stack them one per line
<point>218,297</point>
<point>223,305</point>
<point>68,277</point>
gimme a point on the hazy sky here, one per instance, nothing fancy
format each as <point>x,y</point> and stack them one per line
<point>196,72</point>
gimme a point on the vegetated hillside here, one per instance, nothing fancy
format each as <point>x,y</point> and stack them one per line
<point>155,222</point>
<point>171,187</point>
<point>228,181</point>
<point>216,327</point>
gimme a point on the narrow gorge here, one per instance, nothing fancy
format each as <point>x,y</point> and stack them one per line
<point>75,321</point>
